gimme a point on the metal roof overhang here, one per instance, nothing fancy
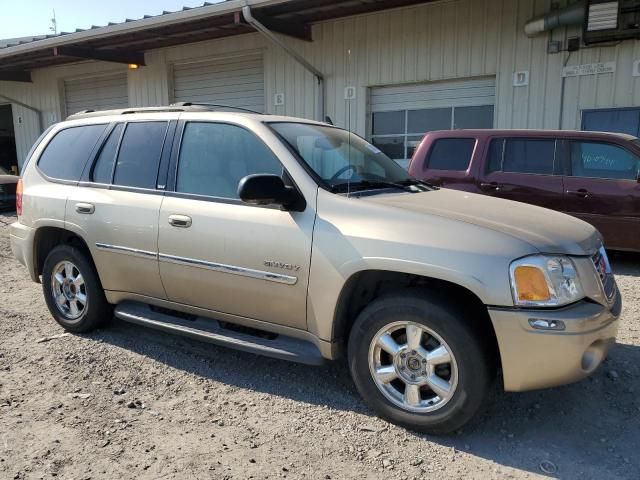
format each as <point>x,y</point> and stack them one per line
<point>126,42</point>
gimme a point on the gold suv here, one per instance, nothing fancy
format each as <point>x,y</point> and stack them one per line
<point>302,241</point>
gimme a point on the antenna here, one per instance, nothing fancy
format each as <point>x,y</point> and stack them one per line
<point>348,100</point>
<point>54,23</point>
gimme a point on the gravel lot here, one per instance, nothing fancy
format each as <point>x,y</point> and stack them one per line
<point>126,402</point>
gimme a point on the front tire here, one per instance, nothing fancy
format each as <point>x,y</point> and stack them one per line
<point>416,361</point>
<point>72,290</point>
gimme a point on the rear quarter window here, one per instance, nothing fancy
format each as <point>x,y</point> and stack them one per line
<point>451,154</point>
<point>67,153</point>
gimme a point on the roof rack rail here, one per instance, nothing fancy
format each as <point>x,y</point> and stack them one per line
<point>214,106</point>
<point>175,107</point>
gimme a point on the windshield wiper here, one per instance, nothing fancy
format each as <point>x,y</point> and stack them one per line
<point>373,184</point>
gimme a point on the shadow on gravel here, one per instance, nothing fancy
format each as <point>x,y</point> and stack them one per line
<point>591,422</point>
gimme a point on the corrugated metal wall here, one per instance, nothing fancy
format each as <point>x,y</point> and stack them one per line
<point>442,40</point>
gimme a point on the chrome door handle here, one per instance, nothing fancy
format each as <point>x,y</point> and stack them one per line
<point>180,221</point>
<point>85,208</point>
<point>491,186</point>
<point>580,193</point>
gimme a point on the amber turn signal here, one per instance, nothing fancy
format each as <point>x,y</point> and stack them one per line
<point>531,284</point>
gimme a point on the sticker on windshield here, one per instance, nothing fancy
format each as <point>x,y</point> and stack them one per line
<point>373,148</point>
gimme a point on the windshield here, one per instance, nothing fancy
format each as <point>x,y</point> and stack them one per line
<point>342,160</point>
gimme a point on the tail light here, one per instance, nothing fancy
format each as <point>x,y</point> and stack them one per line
<point>19,197</point>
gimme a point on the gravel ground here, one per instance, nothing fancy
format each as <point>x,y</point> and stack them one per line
<point>126,402</point>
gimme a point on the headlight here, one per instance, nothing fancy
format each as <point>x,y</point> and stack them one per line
<point>545,281</point>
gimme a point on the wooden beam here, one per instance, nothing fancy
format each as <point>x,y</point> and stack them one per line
<point>103,55</point>
<point>15,76</point>
<point>301,31</point>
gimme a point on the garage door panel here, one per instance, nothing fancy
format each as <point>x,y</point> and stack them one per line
<point>473,92</point>
<point>235,82</point>
<point>97,93</point>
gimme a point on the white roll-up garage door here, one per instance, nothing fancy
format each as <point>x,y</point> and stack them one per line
<point>96,93</point>
<point>460,93</point>
<point>402,114</point>
<point>235,82</point>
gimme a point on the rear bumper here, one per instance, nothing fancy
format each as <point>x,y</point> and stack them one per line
<point>21,238</point>
<point>534,358</point>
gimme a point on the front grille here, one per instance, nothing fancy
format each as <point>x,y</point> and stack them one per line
<point>601,263</point>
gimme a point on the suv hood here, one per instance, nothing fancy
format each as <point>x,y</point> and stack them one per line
<point>546,230</point>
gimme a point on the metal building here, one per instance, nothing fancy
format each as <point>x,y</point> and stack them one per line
<point>391,70</point>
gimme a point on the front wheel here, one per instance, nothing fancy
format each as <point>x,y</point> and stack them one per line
<point>73,291</point>
<point>418,364</point>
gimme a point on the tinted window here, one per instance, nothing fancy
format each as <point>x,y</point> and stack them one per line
<point>139,155</point>
<point>473,117</point>
<point>522,155</point>
<point>103,168</point>
<point>67,153</point>
<point>423,121</point>
<point>601,160</point>
<point>622,120</point>
<point>451,154</point>
<point>214,157</point>
<point>385,123</point>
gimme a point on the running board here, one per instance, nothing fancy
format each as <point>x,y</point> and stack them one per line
<point>211,331</point>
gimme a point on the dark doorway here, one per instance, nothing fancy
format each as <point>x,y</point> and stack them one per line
<point>8,156</point>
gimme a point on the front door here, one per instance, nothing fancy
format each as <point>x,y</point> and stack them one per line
<point>524,170</point>
<point>601,187</point>
<point>221,254</point>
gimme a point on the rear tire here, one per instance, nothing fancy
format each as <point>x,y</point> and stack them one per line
<point>72,290</point>
<point>417,363</point>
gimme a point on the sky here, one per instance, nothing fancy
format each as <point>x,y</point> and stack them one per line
<point>23,18</point>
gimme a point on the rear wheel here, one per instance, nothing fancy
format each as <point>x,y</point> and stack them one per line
<point>72,290</point>
<point>418,364</point>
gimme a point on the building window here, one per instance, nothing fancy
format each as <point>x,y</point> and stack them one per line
<point>398,133</point>
<point>615,120</point>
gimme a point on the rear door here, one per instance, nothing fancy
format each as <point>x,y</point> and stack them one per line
<point>117,204</point>
<point>601,187</point>
<point>523,169</point>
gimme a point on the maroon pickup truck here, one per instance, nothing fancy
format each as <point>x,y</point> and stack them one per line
<point>593,176</point>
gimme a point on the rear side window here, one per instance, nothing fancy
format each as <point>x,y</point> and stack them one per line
<point>451,154</point>
<point>522,155</point>
<point>139,156</point>
<point>67,153</point>
<point>603,160</point>
<point>103,169</point>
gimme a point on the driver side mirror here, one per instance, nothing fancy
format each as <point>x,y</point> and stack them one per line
<point>265,189</point>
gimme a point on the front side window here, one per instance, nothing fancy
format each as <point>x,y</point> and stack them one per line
<point>68,152</point>
<point>341,159</point>
<point>214,157</point>
<point>603,160</point>
<point>451,154</point>
<point>139,156</point>
<point>522,155</point>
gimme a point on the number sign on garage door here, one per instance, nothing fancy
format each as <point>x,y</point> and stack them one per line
<point>96,93</point>
<point>236,82</point>
<point>401,115</point>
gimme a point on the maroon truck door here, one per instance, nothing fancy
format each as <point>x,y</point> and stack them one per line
<point>601,187</point>
<point>523,169</point>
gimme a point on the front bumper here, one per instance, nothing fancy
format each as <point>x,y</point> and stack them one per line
<point>21,238</point>
<point>533,358</point>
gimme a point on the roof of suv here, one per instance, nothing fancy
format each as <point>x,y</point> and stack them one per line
<point>531,134</point>
<point>91,116</point>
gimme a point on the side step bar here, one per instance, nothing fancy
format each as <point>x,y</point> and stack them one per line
<point>210,330</point>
